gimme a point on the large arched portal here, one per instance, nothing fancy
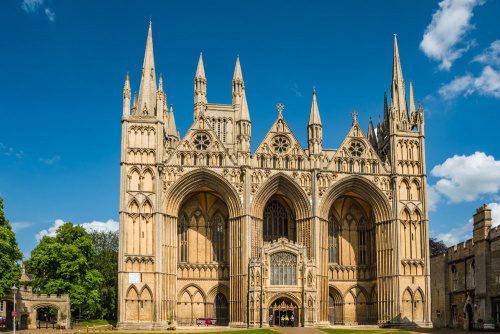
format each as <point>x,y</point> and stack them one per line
<point>351,238</point>
<point>285,313</point>
<point>202,227</point>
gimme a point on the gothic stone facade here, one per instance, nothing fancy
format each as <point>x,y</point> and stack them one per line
<point>466,278</point>
<point>209,229</point>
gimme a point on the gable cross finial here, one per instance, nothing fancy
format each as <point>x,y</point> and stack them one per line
<point>354,117</point>
<point>280,108</point>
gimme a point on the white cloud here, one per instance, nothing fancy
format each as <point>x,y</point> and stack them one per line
<point>464,231</point>
<point>17,226</point>
<point>34,7</point>
<point>490,55</point>
<point>487,84</point>
<point>433,198</point>
<point>51,231</point>
<point>50,161</point>
<point>465,178</point>
<point>456,234</point>
<point>11,152</point>
<point>98,226</point>
<point>50,14</point>
<point>443,37</point>
<point>31,6</point>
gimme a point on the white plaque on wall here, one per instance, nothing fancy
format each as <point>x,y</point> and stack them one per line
<point>134,278</point>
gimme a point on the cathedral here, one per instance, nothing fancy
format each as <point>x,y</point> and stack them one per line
<point>211,231</point>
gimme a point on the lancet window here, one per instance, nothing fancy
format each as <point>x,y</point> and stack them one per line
<point>277,222</point>
<point>183,230</point>
<point>283,269</point>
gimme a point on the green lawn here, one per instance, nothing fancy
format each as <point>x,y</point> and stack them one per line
<point>252,331</point>
<point>94,322</point>
<point>361,331</point>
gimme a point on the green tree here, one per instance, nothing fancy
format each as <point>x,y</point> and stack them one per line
<point>105,261</point>
<point>9,255</point>
<point>61,264</point>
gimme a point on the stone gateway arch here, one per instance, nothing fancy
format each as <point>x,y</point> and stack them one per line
<point>307,236</point>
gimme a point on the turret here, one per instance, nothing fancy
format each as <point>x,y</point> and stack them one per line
<point>314,128</point>
<point>126,96</point>
<point>238,83</point>
<point>147,91</point>
<point>243,125</point>
<point>200,89</point>
<point>372,138</point>
<point>161,100</point>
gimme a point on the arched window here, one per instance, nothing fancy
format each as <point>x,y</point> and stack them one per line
<point>332,240</point>
<point>221,309</point>
<point>183,240</point>
<point>218,238</point>
<point>276,222</point>
<point>283,269</point>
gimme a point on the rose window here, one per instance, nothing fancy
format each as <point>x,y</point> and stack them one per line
<point>201,141</point>
<point>356,149</point>
<point>280,144</point>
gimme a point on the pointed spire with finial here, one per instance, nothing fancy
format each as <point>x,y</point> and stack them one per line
<point>398,96</point>
<point>238,83</point>
<point>244,113</point>
<point>200,69</point>
<point>314,117</point>
<point>172,128</point>
<point>200,89</point>
<point>412,100</point>
<point>126,96</point>
<point>372,138</point>
<point>147,90</point>
<point>134,104</point>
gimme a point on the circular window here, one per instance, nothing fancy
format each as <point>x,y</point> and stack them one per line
<point>356,149</point>
<point>201,141</point>
<point>281,144</point>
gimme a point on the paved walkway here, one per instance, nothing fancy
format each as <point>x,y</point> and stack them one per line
<point>297,330</point>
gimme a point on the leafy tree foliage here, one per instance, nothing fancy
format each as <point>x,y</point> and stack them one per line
<point>437,246</point>
<point>9,255</point>
<point>105,261</point>
<point>62,264</point>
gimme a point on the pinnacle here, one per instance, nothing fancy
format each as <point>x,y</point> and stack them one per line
<point>200,70</point>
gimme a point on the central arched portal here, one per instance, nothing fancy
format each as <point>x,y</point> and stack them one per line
<point>284,313</point>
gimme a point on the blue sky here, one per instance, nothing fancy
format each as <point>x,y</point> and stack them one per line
<point>64,63</point>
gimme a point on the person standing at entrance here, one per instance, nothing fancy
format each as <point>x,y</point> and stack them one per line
<point>282,323</point>
<point>270,320</point>
<point>286,319</point>
<point>292,320</point>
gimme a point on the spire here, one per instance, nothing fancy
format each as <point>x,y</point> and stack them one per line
<point>171,129</point>
<point>200,70</point>
<point>371,134</point>
<point>386,113</point>
<point>238,83</point>
<point>147,90</point>
<point>237,70</point>
<point>134,104</point>
<point>398,98</point>
<point>244,114</point>
<point>200,89</point>
<point>314,114</point>
<point>160,83</point>
<point>126,96</point>
<point>161,100</point>
<point>412,100</point>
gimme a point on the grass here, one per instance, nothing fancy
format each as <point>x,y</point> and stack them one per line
<point>95,322</point>
<point>362,331</point>
<point>252,331</point>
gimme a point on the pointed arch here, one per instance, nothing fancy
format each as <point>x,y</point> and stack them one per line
<point>281,183</point>
<point>418,305</point>
<point>147,207</point>
<point>133,206</point>
<point>148,180</point>
<point>134,179</point>
<point>404,190</point>
<point>132,293</point>
<point>415,215</point>
<point>335,306</point>
<point>199,179</point>
<point>405,214</point>
<point>407,305</point>
<point>415,190</point>
<point>361,186</point>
